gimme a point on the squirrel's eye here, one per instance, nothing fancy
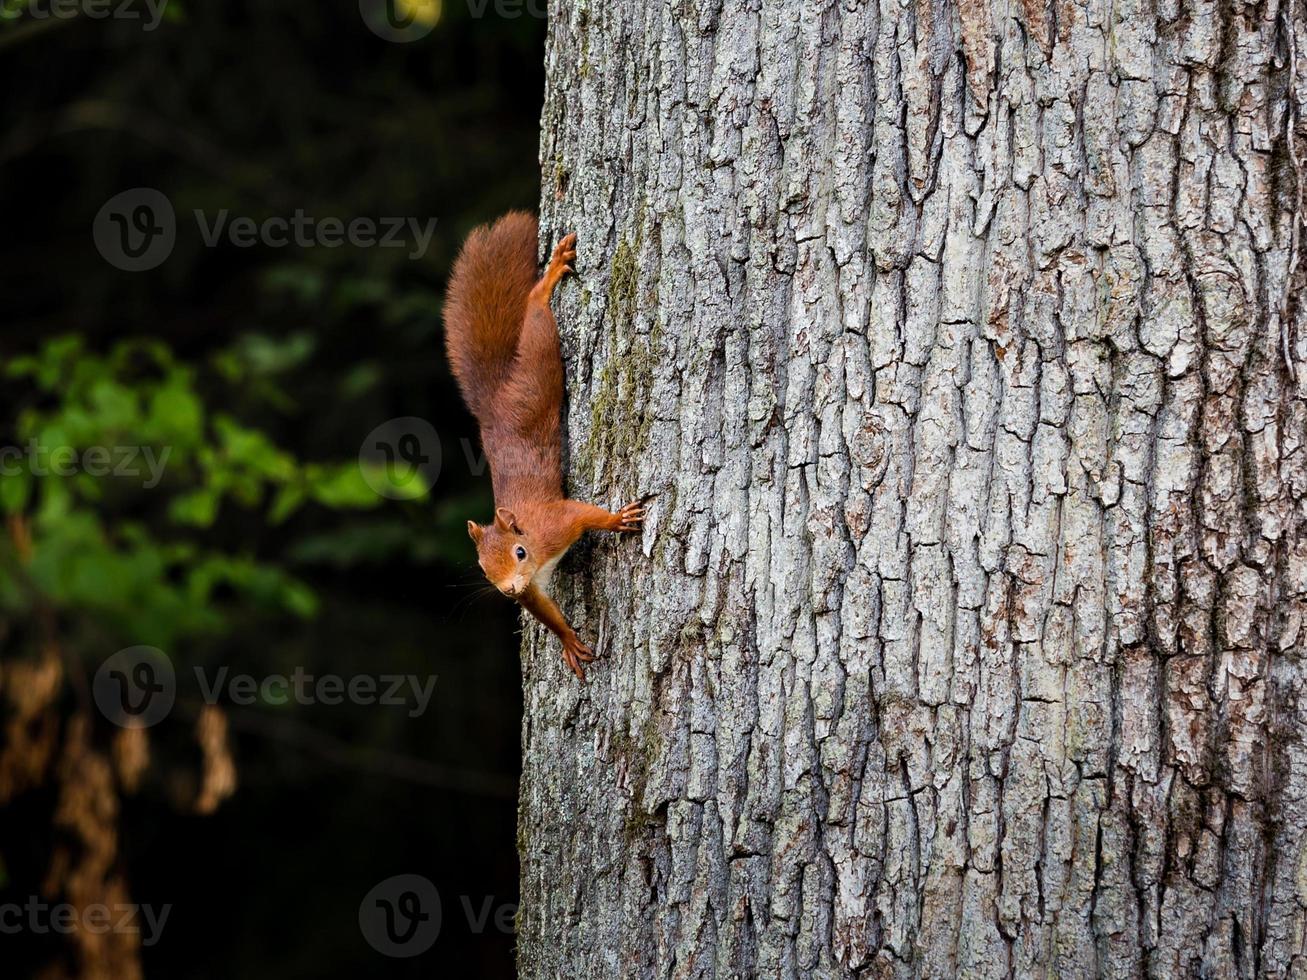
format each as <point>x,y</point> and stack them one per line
<point>521,553</point>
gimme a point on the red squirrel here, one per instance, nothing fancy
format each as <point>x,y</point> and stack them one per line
<point>502,342</point>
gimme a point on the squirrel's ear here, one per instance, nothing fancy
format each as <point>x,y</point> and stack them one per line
<point>474,531</point>
<point>506,520</point>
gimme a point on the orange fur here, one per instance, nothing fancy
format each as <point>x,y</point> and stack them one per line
<point>502,342</point>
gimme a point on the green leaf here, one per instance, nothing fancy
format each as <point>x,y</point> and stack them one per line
<point>413,485</point>
<point>97,579</point>
<point>50,439</point>
<point>22,367</point>
<point>114,405</point>
<point>361,379</point>
<point>198,508</point>
<point>56,360</point>
<point>15,490</point>
<point>259,354</point>
<point>250,448</point>
<point>304,283</point>
<point>288,501</point>
<point>342,486</point>
<point>88,487</point>
<point>56,501</point>
<point>176,415</point>
<point>300,599</point>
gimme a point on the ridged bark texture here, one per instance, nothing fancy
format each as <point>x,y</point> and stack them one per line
<point>956,344</point>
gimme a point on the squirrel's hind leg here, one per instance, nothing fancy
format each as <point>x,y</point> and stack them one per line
<point>535,387</point>
<point>537,345</point>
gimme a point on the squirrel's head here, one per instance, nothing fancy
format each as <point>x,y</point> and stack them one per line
<point>504,553</point>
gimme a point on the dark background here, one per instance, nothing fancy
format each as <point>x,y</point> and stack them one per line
<point>263,108</point>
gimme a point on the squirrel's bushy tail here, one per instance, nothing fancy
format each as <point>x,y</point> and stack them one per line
<point>485,305</point>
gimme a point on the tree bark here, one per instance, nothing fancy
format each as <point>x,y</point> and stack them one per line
<point>955,342</point>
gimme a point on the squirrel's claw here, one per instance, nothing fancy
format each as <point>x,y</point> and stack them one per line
<point>630,518</point>
<point>564,253</point>
<point>576,653</point>
<point>559,266</point>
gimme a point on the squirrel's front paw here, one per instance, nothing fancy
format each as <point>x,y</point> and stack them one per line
<point>576,653</point>
<point>629,519</point>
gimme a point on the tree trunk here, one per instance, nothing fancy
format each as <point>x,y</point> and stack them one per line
<point>966,637</point>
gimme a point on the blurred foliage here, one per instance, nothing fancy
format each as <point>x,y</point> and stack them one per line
<point>261,370</point>
<point>98,435</point>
